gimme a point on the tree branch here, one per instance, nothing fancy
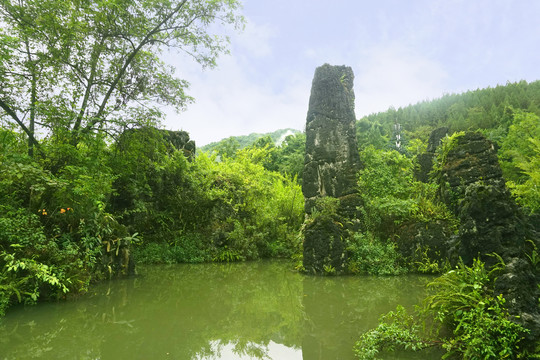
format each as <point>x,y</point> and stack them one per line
<point>129,59</point>
<point>14,116</point>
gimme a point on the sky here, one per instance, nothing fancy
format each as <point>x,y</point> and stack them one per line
<point>401,52</point>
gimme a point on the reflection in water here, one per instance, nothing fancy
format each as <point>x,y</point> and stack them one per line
<point>259,310</point>
<point>339,309</point>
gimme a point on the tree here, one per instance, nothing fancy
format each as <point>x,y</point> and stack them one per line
<point>81,66</point>
<point>228,147</point>
<point>290,156</point>
<point>520,159</point>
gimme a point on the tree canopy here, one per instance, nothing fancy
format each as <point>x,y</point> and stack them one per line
<point>80,66</point>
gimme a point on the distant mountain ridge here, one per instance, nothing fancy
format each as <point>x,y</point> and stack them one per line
<point>277,137</point>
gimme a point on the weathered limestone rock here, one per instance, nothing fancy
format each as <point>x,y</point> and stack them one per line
<point>332,160</point>
<point>178,140</point>
<point>429,238</point>
<point>425,160</point>
<point>490,222</point>
<point>330,165</point>
<point>471,159</point>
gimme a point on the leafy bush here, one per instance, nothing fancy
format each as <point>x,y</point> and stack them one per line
<point>465,302</point>
<point>186,249</point>
<point>385,185</point>
<point>249,212</point>
<point>239,209</point>
<point>31,265</point>
<point>369,255</point>
<point>423,263</point>
<point>54,226</point>
<point>462,303</point>
<point>520,159</point>
<point>396,330</point>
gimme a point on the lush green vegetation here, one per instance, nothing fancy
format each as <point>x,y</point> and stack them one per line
<point>62,212</point>
<point>463,316</point>
<point>84,75</point>
<point>286,152</point>
<point>242,141</point>
<point>102,181</point>
<point>508,115</point>
<point>490,110</point>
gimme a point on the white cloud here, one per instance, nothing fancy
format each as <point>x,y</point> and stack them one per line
<point>232,99</point>
<point>228,103</point>
<point>255,39</point>
<point>394,75</point>
<point>400,55</point>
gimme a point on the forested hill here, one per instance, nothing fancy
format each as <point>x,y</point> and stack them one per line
<point>240,142</point>
<point>486,109</point>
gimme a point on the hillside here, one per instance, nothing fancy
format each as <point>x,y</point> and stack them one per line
<point>490,110</point>
<point>243,141</point>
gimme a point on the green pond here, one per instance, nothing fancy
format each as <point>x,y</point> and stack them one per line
<point>254,310</point>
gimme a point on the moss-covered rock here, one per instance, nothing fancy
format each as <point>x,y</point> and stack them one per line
<point>325,249</point>
<point>330,166</point>
<point>490,223</point>
<point>331,160</point>
<point>425,161</point>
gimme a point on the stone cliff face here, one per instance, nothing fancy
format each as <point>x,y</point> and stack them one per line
<point>330,165</point>
<point>120,261</point>
<point>473,188</point>
<point>490,223</point>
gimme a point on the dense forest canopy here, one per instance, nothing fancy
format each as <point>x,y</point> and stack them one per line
<point>489,110</point>
<point>507,115</point>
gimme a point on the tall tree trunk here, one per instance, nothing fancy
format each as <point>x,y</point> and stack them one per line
<point>33,101</point>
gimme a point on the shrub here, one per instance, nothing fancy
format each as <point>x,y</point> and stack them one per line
<point>32,265</point>
<point>396,330</point>
<point>462,303</point>
<point>369,255</point>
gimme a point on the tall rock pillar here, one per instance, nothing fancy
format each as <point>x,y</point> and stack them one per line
<point>330,166</point>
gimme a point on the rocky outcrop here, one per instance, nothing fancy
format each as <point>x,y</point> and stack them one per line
<point>178,140</point>
<point>490,222</point>
<point>425,160</point>
<point>330,165</point>
<point>324,248</point>
<point>420,239</point>
<point>331,160</point>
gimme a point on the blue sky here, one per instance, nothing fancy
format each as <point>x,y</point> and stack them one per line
<point>401,51</point>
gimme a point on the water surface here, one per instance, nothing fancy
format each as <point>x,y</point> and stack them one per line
<point>255,310</point>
